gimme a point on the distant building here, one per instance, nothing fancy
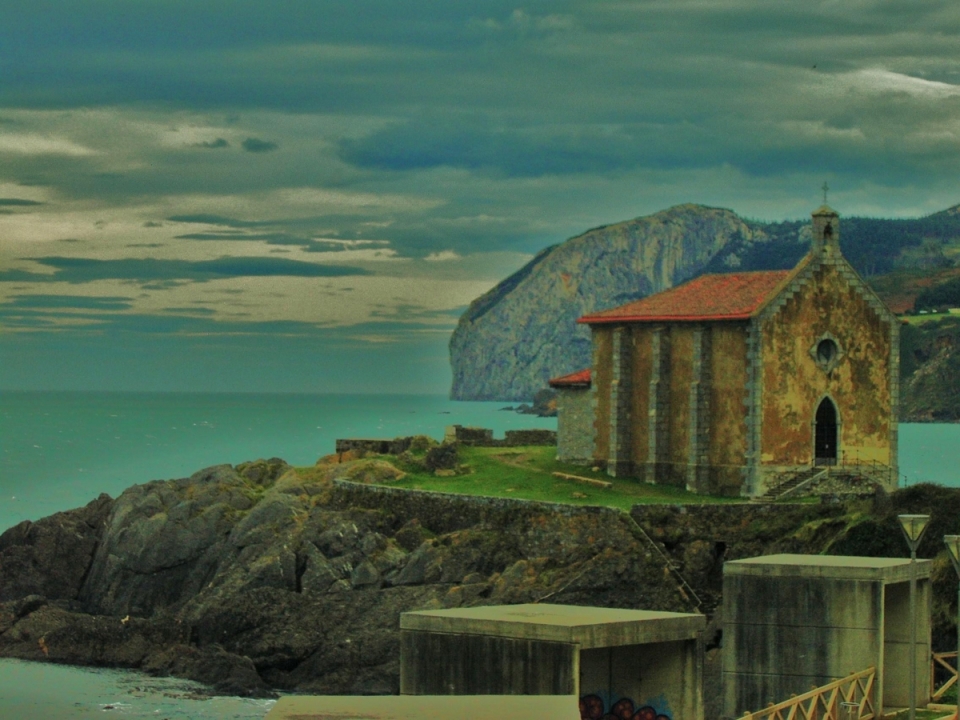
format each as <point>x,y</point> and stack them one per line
<point>728,383</point>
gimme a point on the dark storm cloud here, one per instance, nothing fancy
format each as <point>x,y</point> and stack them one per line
<point>278,238</point>
<point>255,145</point>
<point>210,219</point>
<point>18,202</point>
<point>39,302</point>
<point>81,270</point>
<point>214,145</point>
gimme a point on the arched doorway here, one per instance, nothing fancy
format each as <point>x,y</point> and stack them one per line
<point>825,434</point>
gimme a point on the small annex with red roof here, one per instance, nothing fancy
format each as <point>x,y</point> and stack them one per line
<point>731,383</point>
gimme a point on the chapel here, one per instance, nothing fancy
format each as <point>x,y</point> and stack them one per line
<point>730,383</point>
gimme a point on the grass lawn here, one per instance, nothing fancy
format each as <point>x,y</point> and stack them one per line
<point>527,473</point>
<point>928,317</point>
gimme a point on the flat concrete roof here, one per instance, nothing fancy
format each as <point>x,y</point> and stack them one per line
<point>588,627</point>
<point>417,707</point>
<point>847,567</point>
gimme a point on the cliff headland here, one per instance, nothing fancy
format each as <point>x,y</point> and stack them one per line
<point>263,577</point>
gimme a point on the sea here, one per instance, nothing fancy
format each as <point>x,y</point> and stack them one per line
<point>60,450</point>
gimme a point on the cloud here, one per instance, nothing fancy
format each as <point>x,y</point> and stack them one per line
<point>255,145</point>
<point>214,144</point>
<point>83,270</point>
<point>70,302</point>
<point>210,219</point>
<point>442,256</point>
<point>30,144</point>
<point>18,202</point>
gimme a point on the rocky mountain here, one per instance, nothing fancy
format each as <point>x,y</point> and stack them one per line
<point>511,340</point>
<point>261,577</point>
<point>930,365</point>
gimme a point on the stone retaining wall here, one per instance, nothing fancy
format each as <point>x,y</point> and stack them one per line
<point>447,512</point>
<point>472,436</point>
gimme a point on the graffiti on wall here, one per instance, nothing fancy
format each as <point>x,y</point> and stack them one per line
<point>592,707</point>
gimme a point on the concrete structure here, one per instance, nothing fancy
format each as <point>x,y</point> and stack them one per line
<point>391,707</point>
<point>728,383</point>
<point>628,662</point>
<point>796,621</point>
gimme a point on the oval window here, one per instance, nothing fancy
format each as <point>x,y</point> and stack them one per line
<point>826,351</point>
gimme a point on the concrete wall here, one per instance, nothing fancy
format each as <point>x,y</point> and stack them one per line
<point>826,301</point>
<point>446,664</point>
<point>575,425</point>
<point>665,676</point>
<point>896,644</point>
<point>782,637</point>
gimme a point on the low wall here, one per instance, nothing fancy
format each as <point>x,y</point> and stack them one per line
<point>374,445</point>
<point>483,437</point>
<point>448,512</point>
<point>474,437</point>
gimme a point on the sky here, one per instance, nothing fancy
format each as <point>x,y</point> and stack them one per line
<point>303,195</point>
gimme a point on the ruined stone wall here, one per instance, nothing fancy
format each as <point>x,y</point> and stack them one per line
<point>602,365</point>
<point>826,300</point>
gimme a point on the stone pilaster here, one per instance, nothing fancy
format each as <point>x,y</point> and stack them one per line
<point>620,457</point>
<point>699,460</point>
<point>659,398</point>
<point>751,480</point>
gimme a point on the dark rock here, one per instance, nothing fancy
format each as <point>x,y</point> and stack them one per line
<point>51,557</point>
<point>422,566</point>
<point>227,673</point>
<point>258,588</point>
<point>365,575</point>
<point>27,605</point>
<point>410,536</point>
<point>445,456</point>
<point>263,472</point>
<point>318,574</point>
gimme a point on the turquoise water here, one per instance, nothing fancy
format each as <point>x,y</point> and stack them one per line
<point>60,450</point>
<point>41,691</point>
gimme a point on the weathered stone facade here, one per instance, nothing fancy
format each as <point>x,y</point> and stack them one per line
<point>575,433</point>
<point>724,384</point>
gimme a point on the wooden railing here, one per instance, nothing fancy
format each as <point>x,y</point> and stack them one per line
<point>823,703</point>
<point>937,661</point>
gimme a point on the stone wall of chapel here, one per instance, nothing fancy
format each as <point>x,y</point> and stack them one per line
<point>601,377</point>
<point>793,383</point>
<point>642,366</point>
<point>728,411</point>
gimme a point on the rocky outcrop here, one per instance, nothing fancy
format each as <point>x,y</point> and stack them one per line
<point>259,577</point>
<point>930,367</point>
<point>511,340</point>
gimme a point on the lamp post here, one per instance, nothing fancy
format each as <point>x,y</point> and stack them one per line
<point>953,547</point>
<point>913,527</point>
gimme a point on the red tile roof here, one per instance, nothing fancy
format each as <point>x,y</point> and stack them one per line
<point>729,296</point>
<point>577,379</point>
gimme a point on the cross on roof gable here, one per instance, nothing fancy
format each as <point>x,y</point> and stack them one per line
<point>727,296</point>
